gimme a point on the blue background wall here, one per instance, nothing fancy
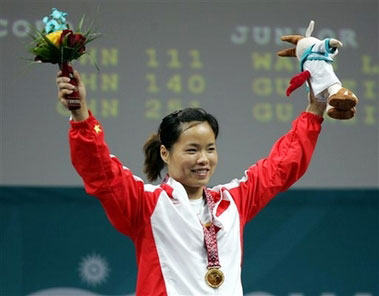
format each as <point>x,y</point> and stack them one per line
<point>305,241</point>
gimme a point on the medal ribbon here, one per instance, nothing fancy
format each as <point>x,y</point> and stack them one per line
<point>210,236</point>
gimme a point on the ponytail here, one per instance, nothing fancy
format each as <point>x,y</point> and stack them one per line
<point>153,162</point>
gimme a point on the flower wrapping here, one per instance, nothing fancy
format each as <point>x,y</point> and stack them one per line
<point>58,44</point>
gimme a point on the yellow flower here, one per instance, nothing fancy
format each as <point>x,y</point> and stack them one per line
<point>54,37</point>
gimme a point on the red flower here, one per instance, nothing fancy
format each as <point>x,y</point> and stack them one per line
<point>74,40</point>
<point>79,40</point>
<point>64,33</point>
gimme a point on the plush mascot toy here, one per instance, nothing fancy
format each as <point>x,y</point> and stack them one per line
<point>316,57</point>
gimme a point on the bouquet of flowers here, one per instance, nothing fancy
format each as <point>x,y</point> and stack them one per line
<point>58,44</point>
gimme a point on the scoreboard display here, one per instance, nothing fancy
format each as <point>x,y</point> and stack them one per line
<point>158,57</point>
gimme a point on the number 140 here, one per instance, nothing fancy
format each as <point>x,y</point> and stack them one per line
<point>195,84</point>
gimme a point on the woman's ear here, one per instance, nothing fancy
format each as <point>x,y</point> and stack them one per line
<point>164,154</point>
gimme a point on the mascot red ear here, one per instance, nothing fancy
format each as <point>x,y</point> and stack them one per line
<point>297,81</point>
<point>316,58</point>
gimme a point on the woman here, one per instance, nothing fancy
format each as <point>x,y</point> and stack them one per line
<point>188,238</point>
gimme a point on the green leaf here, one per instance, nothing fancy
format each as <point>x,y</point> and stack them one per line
<point>81,24</point>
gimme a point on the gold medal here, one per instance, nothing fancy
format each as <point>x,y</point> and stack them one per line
<point>214,277</point>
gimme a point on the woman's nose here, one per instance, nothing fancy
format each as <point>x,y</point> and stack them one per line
<point>203,158</point>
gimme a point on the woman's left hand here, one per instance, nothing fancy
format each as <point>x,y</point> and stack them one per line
<point>314,106</point>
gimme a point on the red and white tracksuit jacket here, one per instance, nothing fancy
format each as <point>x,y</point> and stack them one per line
<point>168,237</point>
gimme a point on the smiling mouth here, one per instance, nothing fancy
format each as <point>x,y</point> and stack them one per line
<point>201,172</point>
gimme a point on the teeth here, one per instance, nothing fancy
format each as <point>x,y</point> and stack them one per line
<point>201,172</point>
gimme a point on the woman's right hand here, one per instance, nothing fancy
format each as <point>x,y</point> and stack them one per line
<point>65,88</point>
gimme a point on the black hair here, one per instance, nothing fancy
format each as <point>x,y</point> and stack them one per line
<point>169,132</point>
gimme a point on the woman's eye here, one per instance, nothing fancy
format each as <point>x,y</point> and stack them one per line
<point>191,150</point>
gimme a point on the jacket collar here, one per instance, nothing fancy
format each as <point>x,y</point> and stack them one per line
<point>178,194</point>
